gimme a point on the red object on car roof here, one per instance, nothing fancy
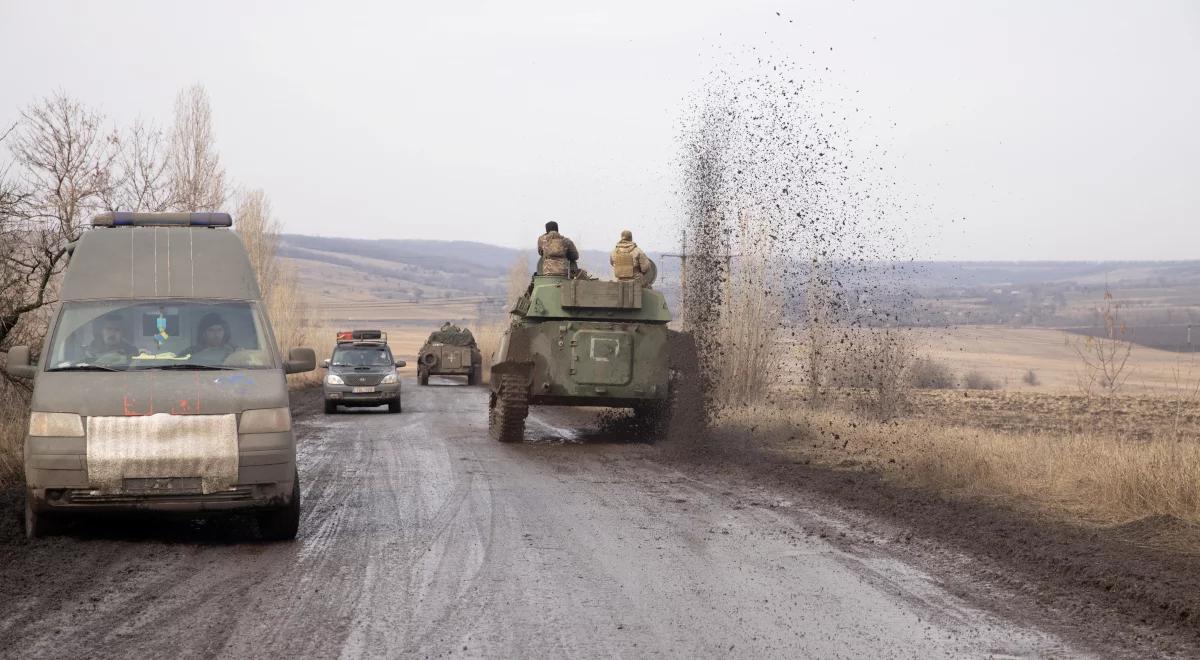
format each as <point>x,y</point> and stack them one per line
<point>361,335</point>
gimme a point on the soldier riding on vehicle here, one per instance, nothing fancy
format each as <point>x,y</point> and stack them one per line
<point>628,261</point>
<point>558,252</point>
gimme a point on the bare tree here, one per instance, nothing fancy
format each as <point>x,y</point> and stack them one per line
<point>197,178</point>
<point>260,232</point>
<point>1105,359</point>
<point>517,279</point>
<point>141,182</point>
<point>64,161</point>
<point>285,303</point>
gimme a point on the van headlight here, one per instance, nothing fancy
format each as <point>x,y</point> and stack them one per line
<point>55,425</point>
<point>389,379</point>
<point>334,379</point>
<point>266,420</point>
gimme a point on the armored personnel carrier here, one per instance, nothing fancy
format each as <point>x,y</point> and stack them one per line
<point>450,351</point>
<point>582,342</point>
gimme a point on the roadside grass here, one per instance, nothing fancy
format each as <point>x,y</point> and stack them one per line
<point>1099,479</point>
<point>14,418</point>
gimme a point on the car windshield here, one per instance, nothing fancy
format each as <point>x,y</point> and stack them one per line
<point>166,334</point>
<point>362,356</point>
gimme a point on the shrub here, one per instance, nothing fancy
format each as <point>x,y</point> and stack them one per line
<point>929,374</point>
<point>1031,378</point>
<point>977,380</point>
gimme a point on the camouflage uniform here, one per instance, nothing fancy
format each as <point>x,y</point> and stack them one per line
<point>628,260</point>
<point>557,252</point>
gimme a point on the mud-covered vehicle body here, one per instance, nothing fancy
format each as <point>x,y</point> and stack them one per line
<point>160,386</point>
<point>581,342</point>
<point>450,351</point>
<point>361,372</point>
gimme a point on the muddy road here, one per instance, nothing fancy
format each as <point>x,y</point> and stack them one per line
<point>422,537</point>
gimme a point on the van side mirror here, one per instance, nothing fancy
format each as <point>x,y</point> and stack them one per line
<point>325,363</point>
<point>18,365</point>
<point>400,364</point>
<point>300,360</point>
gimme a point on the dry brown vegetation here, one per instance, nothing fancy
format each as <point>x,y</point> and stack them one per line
<point>1096,478</point>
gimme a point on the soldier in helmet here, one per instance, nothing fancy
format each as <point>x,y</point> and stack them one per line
<point>557,251</point>
<point>627,259</point>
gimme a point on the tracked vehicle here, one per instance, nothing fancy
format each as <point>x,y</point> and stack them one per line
<point>582,342</point>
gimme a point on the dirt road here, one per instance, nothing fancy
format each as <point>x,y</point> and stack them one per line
<point>422,537</point>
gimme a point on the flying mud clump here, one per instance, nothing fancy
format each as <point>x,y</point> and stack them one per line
<point>792,239</point>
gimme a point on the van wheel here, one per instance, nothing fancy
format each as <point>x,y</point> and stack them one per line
<point>394,406</point>
<point>282,524</point>
<point>330,407</point>
<point>38,524</point>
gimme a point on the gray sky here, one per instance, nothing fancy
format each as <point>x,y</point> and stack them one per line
<point>1044,130</point>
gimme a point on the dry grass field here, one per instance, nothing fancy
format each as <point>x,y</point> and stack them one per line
<point>1006,354</point>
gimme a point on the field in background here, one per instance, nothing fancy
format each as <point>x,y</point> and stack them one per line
<point>1007,354</point>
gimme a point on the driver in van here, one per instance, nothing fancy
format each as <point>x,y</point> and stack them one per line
<point>108,342</point>
<point>214,343</point>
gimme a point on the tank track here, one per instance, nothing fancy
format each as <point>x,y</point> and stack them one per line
<point>508,409</point>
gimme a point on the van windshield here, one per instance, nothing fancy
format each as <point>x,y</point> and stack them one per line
<point>164,334</point>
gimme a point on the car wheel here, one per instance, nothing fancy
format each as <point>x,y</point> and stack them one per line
<point>330,407</point>
<point>394,406</point>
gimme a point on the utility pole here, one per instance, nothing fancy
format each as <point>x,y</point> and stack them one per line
<point>682,257</point>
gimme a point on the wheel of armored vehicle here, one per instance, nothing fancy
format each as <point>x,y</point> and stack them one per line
<point>507,409</point>
<point>476,375</point>
<point>422,377</point>
<point>282,524</point>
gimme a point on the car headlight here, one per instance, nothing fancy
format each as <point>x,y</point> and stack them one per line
<point>389,379</point>
<point>334,379</point>
<point>55,424</point>
<point>265,420</point>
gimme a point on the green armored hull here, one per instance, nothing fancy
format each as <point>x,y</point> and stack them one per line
<point>581,343</point>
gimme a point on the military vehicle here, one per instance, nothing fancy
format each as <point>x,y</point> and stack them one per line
<point>450,351</point>
<point>160,386</point>
<point>582,342</point>
<point>362,372</point>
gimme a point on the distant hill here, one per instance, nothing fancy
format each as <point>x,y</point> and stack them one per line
<point>346,273</point>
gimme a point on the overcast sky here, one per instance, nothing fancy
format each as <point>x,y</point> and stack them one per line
<point>1036,130</point>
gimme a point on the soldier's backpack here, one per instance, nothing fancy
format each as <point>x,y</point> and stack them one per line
<point>622,263</point>
<point>556,247</point>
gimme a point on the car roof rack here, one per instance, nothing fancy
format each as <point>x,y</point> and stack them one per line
<point>361,336</point>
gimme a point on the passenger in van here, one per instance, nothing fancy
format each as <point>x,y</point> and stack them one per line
<point>214,342</point>
<point>108,343</point>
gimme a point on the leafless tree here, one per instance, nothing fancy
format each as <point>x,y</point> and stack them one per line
<point>285,303</point>
<point>1105,359</point>
<point>141,182</point>
<point>63,158</point>
<point>197,178</point>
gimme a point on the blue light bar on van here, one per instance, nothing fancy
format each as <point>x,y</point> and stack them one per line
<point>129,219</point>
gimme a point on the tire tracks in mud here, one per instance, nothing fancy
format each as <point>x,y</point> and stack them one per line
<point>420,536</point>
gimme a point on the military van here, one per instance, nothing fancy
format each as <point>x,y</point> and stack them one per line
<point>159,386</point>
